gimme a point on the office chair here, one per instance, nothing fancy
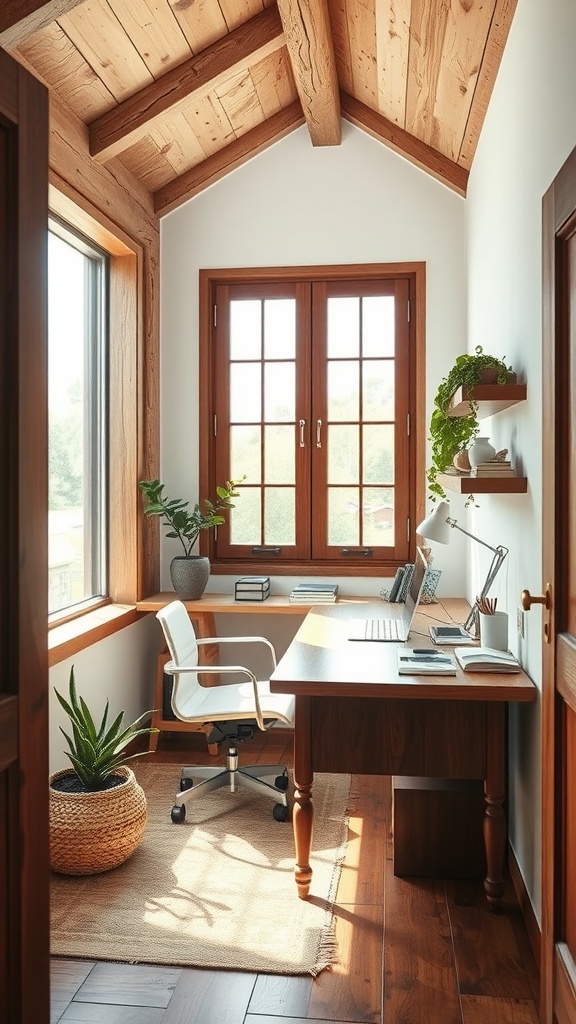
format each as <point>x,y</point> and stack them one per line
<point>234,709</point>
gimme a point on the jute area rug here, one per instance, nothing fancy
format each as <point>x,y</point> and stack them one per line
<point>215,891</point>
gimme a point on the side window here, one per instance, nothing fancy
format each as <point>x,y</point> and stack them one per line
<point>312,396</point>
<point>77,422</point>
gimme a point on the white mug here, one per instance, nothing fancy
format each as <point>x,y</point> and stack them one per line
<point>494,630</point>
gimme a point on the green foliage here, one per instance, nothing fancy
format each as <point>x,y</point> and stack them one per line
<point>96,753</point>
<point>450,434</point>
<point>181,522</point>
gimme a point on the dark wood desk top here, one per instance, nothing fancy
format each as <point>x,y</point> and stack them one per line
<point>321,661</point>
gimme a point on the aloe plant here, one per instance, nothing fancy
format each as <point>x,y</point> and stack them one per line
<point>96,752</point>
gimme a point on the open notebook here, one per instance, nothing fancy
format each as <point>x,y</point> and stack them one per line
<point>396,624</point>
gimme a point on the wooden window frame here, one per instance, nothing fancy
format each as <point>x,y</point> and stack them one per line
<point>130,552</point>
<point>209,281</point>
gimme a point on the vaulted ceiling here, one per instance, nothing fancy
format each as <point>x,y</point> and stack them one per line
<point>184,91</point>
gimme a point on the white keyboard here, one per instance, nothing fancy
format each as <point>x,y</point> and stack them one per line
<point>383,629</point>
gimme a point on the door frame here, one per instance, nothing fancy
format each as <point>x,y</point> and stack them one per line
<point>558,221</point>
<point>24,843</point>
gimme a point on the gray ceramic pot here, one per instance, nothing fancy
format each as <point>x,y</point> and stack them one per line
<point>189,575</point>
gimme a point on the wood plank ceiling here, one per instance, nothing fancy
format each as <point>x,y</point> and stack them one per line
<point>184,91</point>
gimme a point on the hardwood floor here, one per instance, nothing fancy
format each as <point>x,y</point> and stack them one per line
<point>413,951</point>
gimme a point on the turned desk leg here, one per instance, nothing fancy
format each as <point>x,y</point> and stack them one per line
<point>303,811</point>
<point>495,828</point>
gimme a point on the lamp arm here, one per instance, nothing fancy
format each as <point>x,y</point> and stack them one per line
<point>454,525</point>
<point>495,565</point>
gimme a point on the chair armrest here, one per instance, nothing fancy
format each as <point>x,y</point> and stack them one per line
<point>175,670</point>
<point>240,640</point>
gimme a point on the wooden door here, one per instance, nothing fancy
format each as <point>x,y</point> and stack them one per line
<point>558,964</point>
<point>24,873</point>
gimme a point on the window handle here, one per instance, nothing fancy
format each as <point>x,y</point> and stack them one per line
<point>318,433</point>
<point>266,551</point>
<point>358,552</point>
<point>302,424</point>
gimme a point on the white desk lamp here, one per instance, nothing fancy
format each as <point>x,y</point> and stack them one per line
<point>437,527</point>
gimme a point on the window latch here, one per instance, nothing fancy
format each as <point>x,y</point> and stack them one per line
<point>357,552</point>
<point>266,551</point>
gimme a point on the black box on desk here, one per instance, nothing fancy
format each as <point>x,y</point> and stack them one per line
<point>252,588</point>
<point>438,827</point>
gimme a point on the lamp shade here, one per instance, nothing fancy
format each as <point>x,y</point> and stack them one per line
<point>436,526</point>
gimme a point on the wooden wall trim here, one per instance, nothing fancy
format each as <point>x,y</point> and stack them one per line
<point>526,908</point>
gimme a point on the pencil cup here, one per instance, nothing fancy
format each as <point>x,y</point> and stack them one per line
<point>494,630</point>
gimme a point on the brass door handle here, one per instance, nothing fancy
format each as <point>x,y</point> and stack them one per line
<point>528,600</point>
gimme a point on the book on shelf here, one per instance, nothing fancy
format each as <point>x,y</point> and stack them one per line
<point>314,593</point>
<point>495,468</point>
<point>252,588</point>
<point>406,581</point>
<point>419,662</point>
<point>397,584</point>
<point>486,659</point>
<point>253,582</point>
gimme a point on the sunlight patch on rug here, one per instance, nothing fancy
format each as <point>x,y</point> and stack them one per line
<point>216,891</point>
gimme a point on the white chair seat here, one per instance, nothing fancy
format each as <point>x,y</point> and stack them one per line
<point>230,700</point>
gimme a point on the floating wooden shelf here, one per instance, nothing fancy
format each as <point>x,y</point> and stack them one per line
<point>483,484</point>
<point>491,398</point>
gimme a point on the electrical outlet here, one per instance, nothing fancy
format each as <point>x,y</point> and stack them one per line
<point>520,622</point>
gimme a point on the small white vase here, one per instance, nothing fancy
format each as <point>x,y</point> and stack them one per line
<point>481,451</point>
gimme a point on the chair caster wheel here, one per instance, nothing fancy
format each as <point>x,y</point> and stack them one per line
<point>185,784</point>
<point>281,782</point>
<point>178,814</point>
<point>280,812</point>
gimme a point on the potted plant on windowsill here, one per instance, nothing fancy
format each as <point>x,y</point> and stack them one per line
<point>97,808</point>
<point>453,434</point>
<point>189,573</point>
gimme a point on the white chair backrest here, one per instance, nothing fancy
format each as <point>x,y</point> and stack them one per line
<point>179,633</point>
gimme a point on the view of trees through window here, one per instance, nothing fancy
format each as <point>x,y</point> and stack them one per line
<point>76,420</point>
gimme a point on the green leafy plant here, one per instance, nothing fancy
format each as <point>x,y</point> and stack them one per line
<point>184,523</point>
<point>451,434</point>
<point>96,752</point>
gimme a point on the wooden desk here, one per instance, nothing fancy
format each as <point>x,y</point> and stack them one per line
<point>355,713</point>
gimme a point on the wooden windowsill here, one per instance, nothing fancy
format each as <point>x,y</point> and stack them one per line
<point>71,637</point>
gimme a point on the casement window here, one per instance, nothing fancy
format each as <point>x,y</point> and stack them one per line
<point>77,421</point>
<point>310,391</point>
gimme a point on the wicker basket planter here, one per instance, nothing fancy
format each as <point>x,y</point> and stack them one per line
<point>94,832</point>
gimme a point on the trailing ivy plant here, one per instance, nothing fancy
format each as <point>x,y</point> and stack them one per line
<point>451,434</point>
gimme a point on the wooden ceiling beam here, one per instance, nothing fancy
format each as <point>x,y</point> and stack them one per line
<point>20,19</point>
<point>238,152</point>
<point>408,146</point>
<point>311,50</point>
<point>125,124</point>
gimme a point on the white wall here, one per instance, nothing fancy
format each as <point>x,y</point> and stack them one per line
<point>293,204</point>
<point>529,131</point>
<point>121,668</point>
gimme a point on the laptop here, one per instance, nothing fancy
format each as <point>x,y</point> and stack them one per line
<point>395,626</point>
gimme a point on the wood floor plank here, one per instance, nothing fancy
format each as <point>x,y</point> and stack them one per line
<point>351,990</point>
<point>129,984</point>
<point>420,980</point>
<point>362,877</point>
<point>96,1013</point>
<point>488,960</point>
<point>66,977</point>
<point>281,996</point>
<point>479,1009</point>
<point>253,1018</point>
<point>210,997</point>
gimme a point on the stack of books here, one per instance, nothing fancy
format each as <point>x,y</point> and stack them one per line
<point>493,468</point>
<point>314,593</point>
<point>252,588</point>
